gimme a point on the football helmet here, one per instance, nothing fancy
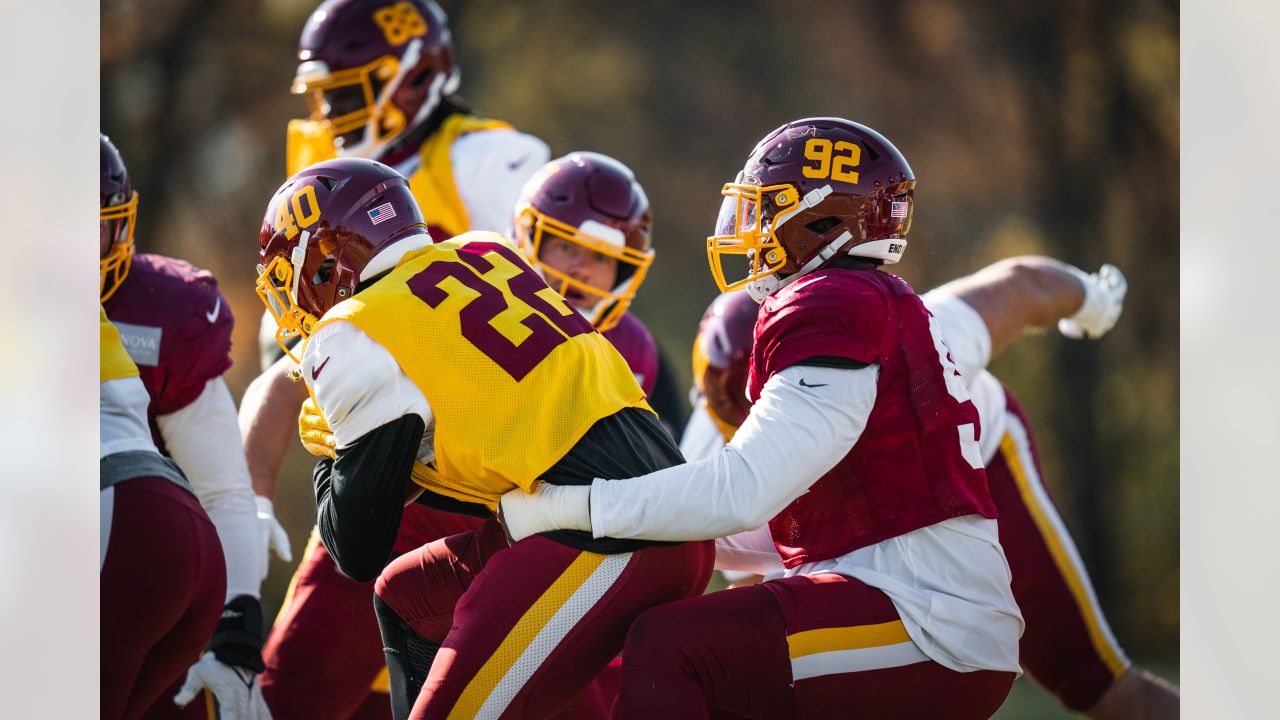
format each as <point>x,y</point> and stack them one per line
<point>371,70</point>
<point>811,190</point>
<point>322,228</point>
<point>592,201</point>
<point>721,352</point>
<point>117,215</point>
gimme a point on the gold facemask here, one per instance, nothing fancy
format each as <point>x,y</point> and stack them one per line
<point>748,236</point>
<point>275,289</point>
<point>610,305</point>
<point>113,268</point>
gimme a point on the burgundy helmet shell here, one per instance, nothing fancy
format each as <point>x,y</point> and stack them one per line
<point>721,352</point>
<point>374,69</point>
<point>321,229</point>
<point>811,190</point>
<point>117,215</point>
<point>593,201</point>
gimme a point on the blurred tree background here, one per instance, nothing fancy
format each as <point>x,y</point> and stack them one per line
<point>1033,128</point>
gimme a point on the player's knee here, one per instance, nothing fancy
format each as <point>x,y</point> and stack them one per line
<point>660,637</point>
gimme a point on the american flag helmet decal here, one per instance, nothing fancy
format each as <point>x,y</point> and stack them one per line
<point>382,213</point>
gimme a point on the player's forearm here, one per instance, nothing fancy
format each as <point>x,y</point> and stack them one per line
<point>202,438</point>
<point>268,418</point>
<point>792,437</point>
<point>360,496</point>
<point>1013,294</point>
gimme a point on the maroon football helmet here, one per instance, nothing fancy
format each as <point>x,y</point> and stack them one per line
<point>322,228</point>
<point>720,358</point>
<point>593,201</point>
<point>371,70</point>
<point>117,215</point>
<point>811,190</point>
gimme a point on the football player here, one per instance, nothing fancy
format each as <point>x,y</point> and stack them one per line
<point>380,80</point>
<point>159,560</point>
<point>457,370</point>
<point>1067,645</point>
<point>860,451</point>
<point>177,328</point>
<point>584,223</point>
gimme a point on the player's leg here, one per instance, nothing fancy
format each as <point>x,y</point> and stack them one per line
<point>1139,695</point>
<point>818,647</point>
<point>162,585</point>
<point>542,619</point>
<point>324,651</point>
<point>1067,646</point>
<point>414,601</point>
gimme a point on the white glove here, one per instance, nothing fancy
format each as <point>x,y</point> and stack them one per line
<point>550,507</point>
<point>1103,300</point>
<point>273,535</point>
<point>235,690</point>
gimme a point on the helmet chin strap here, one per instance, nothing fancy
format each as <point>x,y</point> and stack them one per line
<point>770,284</point>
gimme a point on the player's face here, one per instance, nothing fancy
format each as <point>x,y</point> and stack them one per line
<point>586,266</point>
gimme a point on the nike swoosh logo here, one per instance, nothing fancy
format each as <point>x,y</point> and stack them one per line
<point>516,165</point>
<point>805,384</point>
<point>212,315</point>
<point>315,371</point>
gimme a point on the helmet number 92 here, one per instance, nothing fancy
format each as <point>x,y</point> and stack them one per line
<point>835,161</point>
<point>400,23</point>
<point>291,216</point>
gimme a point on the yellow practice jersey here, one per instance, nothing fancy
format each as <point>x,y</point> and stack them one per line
<point>114,361</point>
<point>432,183</point>
<point>513,374</point>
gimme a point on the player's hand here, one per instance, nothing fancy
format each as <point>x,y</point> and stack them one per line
<point>1103,300</point>
<point>235,689</point>
<point>551,507</point>
<point>314,430</point>
<point>273,535</point>
<point>229,670</point>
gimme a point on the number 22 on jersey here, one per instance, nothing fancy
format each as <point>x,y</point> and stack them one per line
<point>505,310</point>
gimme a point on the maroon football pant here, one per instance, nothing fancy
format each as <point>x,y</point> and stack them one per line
<point>324,652</point>
<point>1067,645</point>
<point>163,583</point>
<point>525,629</point>
<point>819,646</point>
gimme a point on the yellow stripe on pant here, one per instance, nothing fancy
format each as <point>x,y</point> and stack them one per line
<point>523,633</point>
<point>1016,453</point>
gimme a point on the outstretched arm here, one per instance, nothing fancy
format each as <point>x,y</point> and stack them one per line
<point>1037,291</point>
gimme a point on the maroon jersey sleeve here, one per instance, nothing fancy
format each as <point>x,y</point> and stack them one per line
<point>201,350</point>
<point>632,340</point>
<point>831,313</point>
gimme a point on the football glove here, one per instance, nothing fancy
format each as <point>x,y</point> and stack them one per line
<point>551,507</point>
<point>273,535</point>
<point>229,669</point>
<point>1103,300</point>
<point>314,430</point>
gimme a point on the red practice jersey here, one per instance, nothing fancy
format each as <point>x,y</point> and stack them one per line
<point>632,340</point>
<point>177,328</point>
<point>917,462</point>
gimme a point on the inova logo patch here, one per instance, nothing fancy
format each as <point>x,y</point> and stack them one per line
<point>142,342</point>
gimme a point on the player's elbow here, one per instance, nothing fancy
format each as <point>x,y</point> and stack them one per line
<point>360,564</point>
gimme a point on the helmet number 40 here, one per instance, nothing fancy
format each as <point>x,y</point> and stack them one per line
<point>288,221</point>
<point>835,160</point>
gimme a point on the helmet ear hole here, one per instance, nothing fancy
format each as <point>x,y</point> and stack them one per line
<point>822,225</point>
<point>324,273</point>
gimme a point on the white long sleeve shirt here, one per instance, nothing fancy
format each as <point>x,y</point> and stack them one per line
<point>203,438</point>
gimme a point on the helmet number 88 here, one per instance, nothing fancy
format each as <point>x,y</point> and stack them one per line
<point>835,160</point>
